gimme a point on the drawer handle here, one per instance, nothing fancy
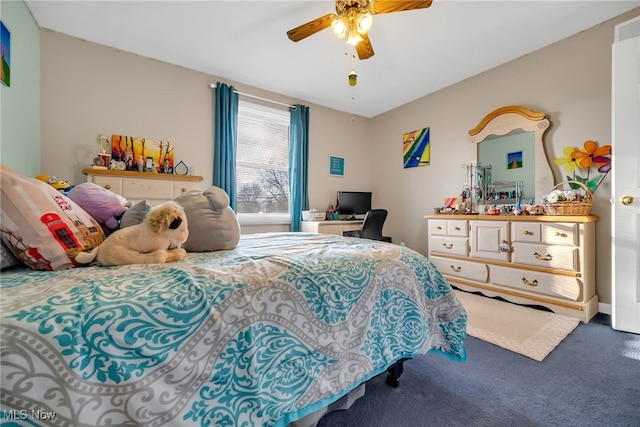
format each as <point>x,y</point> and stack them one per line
<point>528,283</point>
<point>456,269</point>
<point>438,228</point>
<point>184,190</point>
<point>448,246</point>
<point>457,228</point>
<point>546,257</point>
<point>108,187</point>
<point>528,233</point>
<point>557,233</point>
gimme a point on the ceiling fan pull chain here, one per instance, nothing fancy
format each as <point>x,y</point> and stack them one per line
<point>353,77</point>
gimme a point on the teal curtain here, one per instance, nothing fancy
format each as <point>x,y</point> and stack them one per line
<point>298,163</point>
<point>225,140</point>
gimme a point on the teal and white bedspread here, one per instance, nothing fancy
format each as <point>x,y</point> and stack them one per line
<point>261,335</point>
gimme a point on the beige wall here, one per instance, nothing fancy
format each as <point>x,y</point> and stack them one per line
<point>88,89</point>
<point>569,80</point>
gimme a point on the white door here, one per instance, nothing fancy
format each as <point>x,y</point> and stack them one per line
<point>625,177</point>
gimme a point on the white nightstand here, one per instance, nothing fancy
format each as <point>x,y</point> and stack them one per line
<point>134,186</point>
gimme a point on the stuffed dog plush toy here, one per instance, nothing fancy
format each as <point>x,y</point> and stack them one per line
<point>158,239</point>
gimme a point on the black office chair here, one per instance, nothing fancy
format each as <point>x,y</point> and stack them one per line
<point>371,226</point>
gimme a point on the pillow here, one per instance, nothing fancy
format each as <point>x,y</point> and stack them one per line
<point>213,225</point>
<point>104,206</point>
<point>135,214</point>
<point>7,260</point>
<point>42,227</point>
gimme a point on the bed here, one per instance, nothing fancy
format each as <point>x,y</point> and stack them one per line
<point>262,335</point>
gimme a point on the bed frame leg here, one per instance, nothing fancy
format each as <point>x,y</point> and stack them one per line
<point>394,372</point>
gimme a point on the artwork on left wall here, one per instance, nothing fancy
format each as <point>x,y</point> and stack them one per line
<point>5,52</point>
<point>416,148</point>
<point>138,154</point>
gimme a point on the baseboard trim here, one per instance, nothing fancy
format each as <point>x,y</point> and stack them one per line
<point>604,308</point>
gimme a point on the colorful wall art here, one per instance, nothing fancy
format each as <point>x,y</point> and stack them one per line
<point>141,154</point>
<point>5,52</point>
<point>514,160</point>
<point>416,148</point>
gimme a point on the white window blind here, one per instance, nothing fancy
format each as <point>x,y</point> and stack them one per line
<point>262,164</point>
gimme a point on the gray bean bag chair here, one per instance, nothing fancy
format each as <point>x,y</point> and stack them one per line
<point>213,225</point>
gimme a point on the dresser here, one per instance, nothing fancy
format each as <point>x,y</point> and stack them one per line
<point>134,186</point>
<point>534,260</point>
<point>330,226</point>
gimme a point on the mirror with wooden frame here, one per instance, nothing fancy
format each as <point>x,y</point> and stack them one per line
<point>510,139</point>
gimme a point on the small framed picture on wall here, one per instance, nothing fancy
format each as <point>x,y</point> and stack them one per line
<point>5,53</point>
<point>336,166</point>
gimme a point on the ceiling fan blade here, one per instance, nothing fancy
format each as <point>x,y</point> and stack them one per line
<point>388,6</point>
<point>310,28</point>
<point>364,48</point>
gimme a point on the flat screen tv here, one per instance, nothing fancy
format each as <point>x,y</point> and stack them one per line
<point>354,203</point>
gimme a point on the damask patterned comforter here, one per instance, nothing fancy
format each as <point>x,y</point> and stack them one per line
<point>261,335</point>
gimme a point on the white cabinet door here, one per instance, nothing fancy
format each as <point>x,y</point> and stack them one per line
<point>490,240</point>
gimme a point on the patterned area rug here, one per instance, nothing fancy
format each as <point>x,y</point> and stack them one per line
<point>527,331</point>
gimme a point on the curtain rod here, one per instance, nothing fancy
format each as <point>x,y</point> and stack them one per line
<point>213,86</point>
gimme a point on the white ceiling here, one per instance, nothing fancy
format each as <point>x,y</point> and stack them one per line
<point>416,52</point>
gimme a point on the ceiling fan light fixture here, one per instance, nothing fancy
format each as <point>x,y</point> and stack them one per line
<point>339,27</point>
<point>354,36</point>
<point>364,21</point>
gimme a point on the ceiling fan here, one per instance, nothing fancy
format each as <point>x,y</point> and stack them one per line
<point>353,19</point>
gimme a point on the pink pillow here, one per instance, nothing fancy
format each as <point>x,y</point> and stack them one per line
<point>41,226</point>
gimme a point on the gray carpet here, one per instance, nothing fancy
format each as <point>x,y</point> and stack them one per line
<point>591,379</point>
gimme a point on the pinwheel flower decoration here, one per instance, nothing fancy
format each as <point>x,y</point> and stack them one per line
<point>580,163</point>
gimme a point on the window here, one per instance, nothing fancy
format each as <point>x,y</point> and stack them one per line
<point>262,164</point>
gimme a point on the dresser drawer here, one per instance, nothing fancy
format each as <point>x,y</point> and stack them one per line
<point>476,271</point>
<point>437,227</point>
<point>554,285</point>
<point>560,234</point>
<point>554,234</point>
<point>526,232</point>
<point>457,228</point>
<point>133,188</point>
<point>449,245</point>
<point>541,255</point>
<point>449,227</point>
<point>110,183</point>
<point>180,187</point>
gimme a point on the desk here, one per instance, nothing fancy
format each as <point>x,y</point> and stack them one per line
<point>330,226</point>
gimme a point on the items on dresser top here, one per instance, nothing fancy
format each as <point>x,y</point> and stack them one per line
<point>540,260</point>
